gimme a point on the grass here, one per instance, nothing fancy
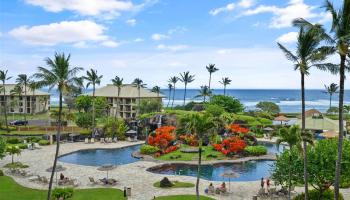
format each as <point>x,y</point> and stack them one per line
<point>183,197</point>
<point>208,150</point>
<point>10,190</point>
<point>176,184</point>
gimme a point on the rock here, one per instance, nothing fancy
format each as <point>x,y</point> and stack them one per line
<point>165,183</point>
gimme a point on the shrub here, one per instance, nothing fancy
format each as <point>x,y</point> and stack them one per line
<point>230,146</point>
<point>62,193</point>
<point>255,150</point>
<point>22,146</point>
<point>16,165</point>
<point>1,173</point>
<point>85,132</point>
<point>229,103</point>
<point>345,182</point>
<point>33,139</point>
<point>214,110</point>
<point>13,140</point>
<point>269,107</point>
<point>148,149</point>
<point>165,183</point>
<point>315,195</point>
<point>44,142</point>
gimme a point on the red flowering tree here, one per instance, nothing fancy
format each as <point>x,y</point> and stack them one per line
<point>230,146</point>
<point>238,129</point>
<point>162,137</point>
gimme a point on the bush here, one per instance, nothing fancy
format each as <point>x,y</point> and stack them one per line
<point>269,107</point>
<point>83,120</point>
<point>1,173</point>
<point>33,139</point>
<point>214,110</point>
<point>13,140</point>
<point>22,146</point>
<point>255,150</point>
<point>345,182</point>
<point>62,193</point>
<point>315,195</point>
<point>148,149</point>
<point>229,103</point>
<point>16,165</point>
<point>86,132</point>
<point>165,183</point>
<point>44,142</point>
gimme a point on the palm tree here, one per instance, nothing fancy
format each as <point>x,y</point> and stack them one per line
<point>199,125</point>
<point>33,86</point>
<point>225,81</point>
<point>331,89</point>
<point>211,69</point>
<point>156,89</point>
<point>173,80</point>
<point>138,83</point>
<point>23,80</point>
<point>204,92</point>
<point>3,79</point>
<point>118,82</point>
<point>186,78</point>
<point>170,87</point>
<point>92,79</point>
<point>308,54</point>
<point>61,75</point>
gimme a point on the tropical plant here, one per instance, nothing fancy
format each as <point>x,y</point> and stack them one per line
<point>170,88</point>
<point>331,89</point>
<point>211,69</point>
<point>156,89</point>
<point>12,151</point>
<point>173,80</point>
<point>225,81</point>
<point>138,83</point>
<point>199,125</point>
<point>33,86</point>
<point>2,147</point>
<point>93,79</point>
<point>204,92</point>
<point>118,82</point>
<point>308,54</point>
<point>23,80</point>
<point>3,79</point>
<point>58,74</point>
<point>229,103</point>
<point>269,107</point>
<point>83,120</point>
<point>186,78</point>
<point>83,102</point>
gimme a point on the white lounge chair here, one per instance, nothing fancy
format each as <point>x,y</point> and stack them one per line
<point>115,139</point>
<point>102,140</point>
<point>92,140</point>
<point>92,181</point>
<point>86,140</point>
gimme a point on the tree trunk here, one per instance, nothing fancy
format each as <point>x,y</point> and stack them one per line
<point>306,188</point>
<point>58,135</point>
<point>341,127</point>
<point>330,101</point>
<point>209,80</point>
<point>5,108</point>
<point>12,158</point>
<point>224,90</point>
<point>25,103</point>
<point>185,93</point>
<point>199,167</point>
<point>289,174</point>
<point>93,107</point>
<point>33,110</point>
<point>139,101</point>
<point>172,103</point>
<point>169,98</point>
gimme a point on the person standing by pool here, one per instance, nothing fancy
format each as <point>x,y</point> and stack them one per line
<point>268,184</point>
<point>262,182</point>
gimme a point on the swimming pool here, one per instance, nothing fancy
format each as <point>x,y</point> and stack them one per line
<point>98,157</point>
<point>248,171</point>
<point>272,147</point>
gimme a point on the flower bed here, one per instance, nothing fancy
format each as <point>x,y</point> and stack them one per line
<point>162,139</point>
<point>230,146</point>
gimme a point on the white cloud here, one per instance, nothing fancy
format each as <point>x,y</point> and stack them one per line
<point>288,37</point>
<point>110,43</point>
<point>283,16</point>
<point>232,6</point>
<point>138,40</point>
<point>158,36</point>
<point>84,7</point>
<point>80,45</point>
<point>131,22</point>
<point>68,32</point>
<point>172,47</point>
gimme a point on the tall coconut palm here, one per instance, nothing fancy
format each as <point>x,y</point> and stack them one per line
<point>211,69</point>
<point>156,89</point>
<point>93,79</point>
<point>170,88</point>
<point>186,78</point>
<point>3,79</point>
<point>204,92</point>
<point>199,125</point>
<point>331,89</point>
<point>225,81</point>
<point>33,85</point>
<point>24,80</point>
<point>118,82</point>
<point>61,75</point>
<point>173,80</point>
<point>308,54</point>
<point>138,83</point>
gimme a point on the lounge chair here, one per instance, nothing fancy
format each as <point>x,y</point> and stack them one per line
<point>44,180</point>
<point>37,146</point>
<point>112,181</point>
<point>104,181</point>
<point>92,140</point>
<point>34,178</point>
<point>92,181</point>
<point>102,140</point>
<point>135,139</point>
<point>72,182</point>
<point>115,139</point>
<point>86,140</point>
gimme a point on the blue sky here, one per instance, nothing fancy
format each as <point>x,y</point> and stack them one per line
<point>156,39</point>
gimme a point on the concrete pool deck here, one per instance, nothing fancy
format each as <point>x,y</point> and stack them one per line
<point>134,175</point>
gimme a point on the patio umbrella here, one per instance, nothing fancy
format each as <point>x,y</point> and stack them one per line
<point>59,168</point>
<point>229,175</point>
<point>329,134</point>
<point>281,119</point>
<point>106,167</point>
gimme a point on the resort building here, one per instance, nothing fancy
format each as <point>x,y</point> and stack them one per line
<point>128,99</point>
<point>33,102</point>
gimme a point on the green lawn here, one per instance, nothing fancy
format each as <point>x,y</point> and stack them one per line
<point>177,184</point>
<point>193,156</point>
<point>183,197</point>
<point>10,190</point>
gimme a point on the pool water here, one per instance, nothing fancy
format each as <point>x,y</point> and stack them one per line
<point>272,147</point>
<point>248,171</point>
<point>98,157</point>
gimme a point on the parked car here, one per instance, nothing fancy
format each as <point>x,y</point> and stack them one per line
<point>19,123</point>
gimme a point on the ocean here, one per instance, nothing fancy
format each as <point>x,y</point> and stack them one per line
<point>288,100</point>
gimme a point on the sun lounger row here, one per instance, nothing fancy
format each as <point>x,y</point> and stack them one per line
<point>108,140</point>
<point>19,172</point>
<point>103,181</point>
<point>87,140</point>
<point>41,179</point>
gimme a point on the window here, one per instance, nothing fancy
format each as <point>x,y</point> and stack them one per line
<point>28,110</point>
<point>12,110</point>
<point>20,103</point>
<point>20,110</point>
